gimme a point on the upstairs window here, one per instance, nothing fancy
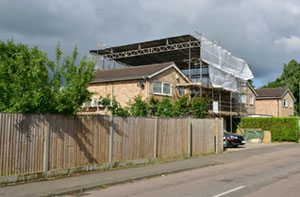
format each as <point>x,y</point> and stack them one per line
<point>285,103</point>
<point>251,100</point>
<point>162,88</point>
<point>242,99</point>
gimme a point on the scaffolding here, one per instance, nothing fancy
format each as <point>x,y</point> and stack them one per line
<point>185,51</point>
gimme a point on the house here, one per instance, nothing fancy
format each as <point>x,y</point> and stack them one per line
<point>202,67</point>
<point>157,80</point>
<point>276,102</point>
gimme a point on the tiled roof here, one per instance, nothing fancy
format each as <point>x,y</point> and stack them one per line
<point>129,73</point>
<point>271,92</point>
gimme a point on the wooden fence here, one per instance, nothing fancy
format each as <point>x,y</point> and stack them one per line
<point>35,143</point>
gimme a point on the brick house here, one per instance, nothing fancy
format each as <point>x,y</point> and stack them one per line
<point>276,102</point>
<point>158,80</point>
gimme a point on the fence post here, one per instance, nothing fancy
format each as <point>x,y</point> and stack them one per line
<point>189,138</point>
<point>46,149</point>
<point>110,151</point>
<point>221,134</point>
<point>155,139</point>
<point>216,125</point>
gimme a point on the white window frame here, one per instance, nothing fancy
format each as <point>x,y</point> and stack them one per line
<point>251,100</point>
<point>242,99</point>
<point>285,103</point>
<point>162,89</point>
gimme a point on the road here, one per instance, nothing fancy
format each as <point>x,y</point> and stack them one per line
<point>273,173</point>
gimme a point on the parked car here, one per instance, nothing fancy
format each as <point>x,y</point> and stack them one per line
<point>232,140</point>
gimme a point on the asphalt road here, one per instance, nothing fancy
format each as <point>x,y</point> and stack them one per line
<point>269,173</point>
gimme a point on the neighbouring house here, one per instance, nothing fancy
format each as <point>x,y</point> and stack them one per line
<point>157,80</point>
<point>276,102</point>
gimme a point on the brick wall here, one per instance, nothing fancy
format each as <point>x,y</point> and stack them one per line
<point>124,91</point>
<point>267,107</point>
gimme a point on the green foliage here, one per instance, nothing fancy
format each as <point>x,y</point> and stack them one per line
<point>138,107</point>
<point>30,82</point>
<point>290,77</point>
<point>153,102</point>
<point>199,105</point>
<point>182,106</point>
<point>165,108</point>
<point>282,129</point>
<point>112,105</point>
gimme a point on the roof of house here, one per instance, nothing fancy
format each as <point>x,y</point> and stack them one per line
<point>268,93</point>
<point>137,72</point>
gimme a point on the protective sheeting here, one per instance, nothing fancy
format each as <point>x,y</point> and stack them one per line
<point>226,71</point>
<point>253,135</point>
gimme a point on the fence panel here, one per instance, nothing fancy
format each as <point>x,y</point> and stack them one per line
<point>77,141</point>
<point>172,137</point>
<point>81,140</point>
<point>203,136</point>
<point>21,143</point>
<point>133,138</point>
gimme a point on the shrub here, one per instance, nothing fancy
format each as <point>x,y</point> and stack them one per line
<point>282,129</point>
<point>138,107</point>
<point>112,105</point>
<point>199,105</point>
<point>165,108</point>
<point>153,102</point>
<point>182,106</point>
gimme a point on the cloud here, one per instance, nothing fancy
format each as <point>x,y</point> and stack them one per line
<point>289,44</point>
<point>245,28</point>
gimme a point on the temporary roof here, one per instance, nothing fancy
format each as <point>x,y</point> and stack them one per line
<point>225,70</point>
<point>155,51</point>
<point>137,72</point>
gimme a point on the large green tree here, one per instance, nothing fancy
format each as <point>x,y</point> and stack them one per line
<point>30,82</point>
<point>290,77</point>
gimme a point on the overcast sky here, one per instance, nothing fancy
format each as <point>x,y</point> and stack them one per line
<point>265,33</point>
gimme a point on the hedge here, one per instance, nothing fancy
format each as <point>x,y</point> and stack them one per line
<point>282,129</point>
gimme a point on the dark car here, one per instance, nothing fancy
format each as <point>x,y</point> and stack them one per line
<point>233,140</point>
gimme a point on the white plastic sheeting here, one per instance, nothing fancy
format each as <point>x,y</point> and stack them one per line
<point>225,71</point>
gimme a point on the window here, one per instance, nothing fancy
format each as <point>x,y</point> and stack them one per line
<point>251,101</point>
<point>162,88</point>
<point>181,91</point>
<point>285,103</point>
<point>291,104</point>
<point>242,98</point>
<point>157,87</point>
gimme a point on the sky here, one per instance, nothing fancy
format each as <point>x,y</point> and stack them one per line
<point>265,33</point>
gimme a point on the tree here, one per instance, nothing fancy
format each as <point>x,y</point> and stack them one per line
<point>31,83</point>
<point>290,78</point>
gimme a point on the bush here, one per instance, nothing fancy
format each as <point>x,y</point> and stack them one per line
<point>282,129</point>
<point>112,105</point>
<point>199,105</point>
<point>182,106</point>
<point>165,108</point>
<point>138,107</point>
